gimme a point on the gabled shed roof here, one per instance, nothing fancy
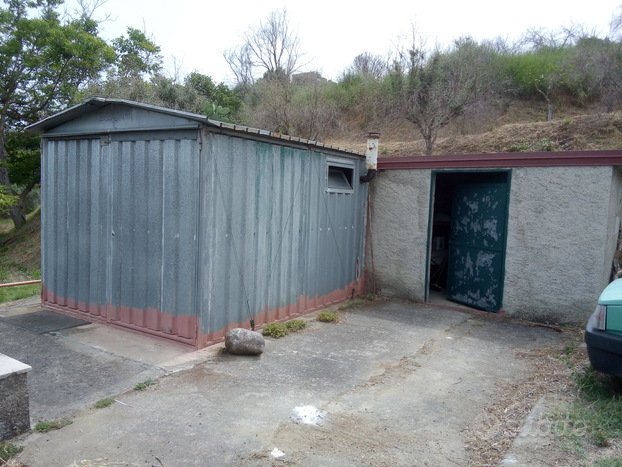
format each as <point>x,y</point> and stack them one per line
<point>56,125</point>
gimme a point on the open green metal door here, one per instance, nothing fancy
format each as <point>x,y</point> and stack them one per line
<point>477,245</point>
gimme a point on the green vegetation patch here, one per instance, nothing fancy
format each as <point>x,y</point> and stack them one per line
<point>103,403</point>
<point>351,304</point>
<point>8,294</point>
<point>20,256</point>
<point>144,385</point>
<point>45,426</point>
<point>295,325</point>
<point>9,450</point>
<point>275,330</point>
<point>613,462</point>
<point>327,317</point>
<point>595,418</point>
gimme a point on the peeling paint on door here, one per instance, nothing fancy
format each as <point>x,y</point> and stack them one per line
<point>477,245</point>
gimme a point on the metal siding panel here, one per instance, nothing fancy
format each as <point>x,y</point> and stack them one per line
<point>153,244</point>
<point>145,193</point>
<point>73,226</point>
<point>169,274</point>
<point>140,182</point>
<point>187,218</point>
<point>84,199</point>
<point>122,224</point>
<point>314,194</point>
<point>268,204</point>
<point>61,226</point>
<point>256,226</point>
<point>279,246</point>
<point>98,179</point>
<point>207,263</point>
<point>48,217</point>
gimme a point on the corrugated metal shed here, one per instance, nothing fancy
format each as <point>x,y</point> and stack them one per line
<point>168,223</point>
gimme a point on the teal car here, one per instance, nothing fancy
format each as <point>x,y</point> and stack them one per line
<point>603,333</point>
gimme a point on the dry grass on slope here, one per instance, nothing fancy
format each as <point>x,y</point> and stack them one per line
<point>577,133</point>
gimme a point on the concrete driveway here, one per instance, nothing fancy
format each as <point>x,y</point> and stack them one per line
<point>393,384</point>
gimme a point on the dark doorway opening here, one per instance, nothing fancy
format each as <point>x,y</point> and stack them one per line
<point>467,238</point>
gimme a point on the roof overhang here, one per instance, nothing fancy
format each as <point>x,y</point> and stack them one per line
<point>504,160</point>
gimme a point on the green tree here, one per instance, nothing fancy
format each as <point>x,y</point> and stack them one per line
<point>541,72</point>
<point>23,163</point>
<point>7,200</point>
<point>43,59</point>
<point>434,89</point>
<point>137,54</point>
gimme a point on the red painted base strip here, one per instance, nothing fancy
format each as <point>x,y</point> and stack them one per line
<point>183,328</point>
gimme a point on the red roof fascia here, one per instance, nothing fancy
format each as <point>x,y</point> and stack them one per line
<point>498,160</point>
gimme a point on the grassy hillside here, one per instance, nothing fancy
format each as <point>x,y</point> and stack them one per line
<point>20,257</point>
<point>507,133</point>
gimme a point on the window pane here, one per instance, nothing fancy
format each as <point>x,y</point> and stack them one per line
<point>337,178</point>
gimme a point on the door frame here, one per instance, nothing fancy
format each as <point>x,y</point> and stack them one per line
<point>435,172</point>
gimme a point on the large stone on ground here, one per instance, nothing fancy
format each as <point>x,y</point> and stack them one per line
<point>240,341</point>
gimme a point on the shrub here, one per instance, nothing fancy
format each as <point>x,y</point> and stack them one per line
<point>275,330</point>
<point>295,325</point>
<point>327,317</point>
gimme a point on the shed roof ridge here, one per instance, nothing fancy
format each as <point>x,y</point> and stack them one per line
<point>95,103</point>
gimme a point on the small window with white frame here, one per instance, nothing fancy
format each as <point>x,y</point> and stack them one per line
<point>339,176</point>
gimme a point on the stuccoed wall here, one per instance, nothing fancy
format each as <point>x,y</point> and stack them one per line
<point>613,227</point>
<point>400,204</point>
<point>562,234</point>
<point>561,241</point>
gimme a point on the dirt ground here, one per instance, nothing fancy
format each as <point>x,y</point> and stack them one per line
<point>393,384</point>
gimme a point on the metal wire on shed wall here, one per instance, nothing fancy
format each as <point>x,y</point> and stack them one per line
<point>119,229</point>
<point>270,233</point>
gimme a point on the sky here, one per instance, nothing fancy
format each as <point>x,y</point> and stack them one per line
<point>194,33</point>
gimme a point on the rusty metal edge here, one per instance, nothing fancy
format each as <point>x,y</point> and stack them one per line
<point>523,159</point>
<point>12,284</point>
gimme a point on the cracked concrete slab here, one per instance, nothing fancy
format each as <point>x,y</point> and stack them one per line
<point>395,383</point>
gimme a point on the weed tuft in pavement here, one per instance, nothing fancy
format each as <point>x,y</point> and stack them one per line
<point>9,450</point>
<point>103,403</point>
<point>45,426</point>
<point>351,304</point>
<point>144,385</point>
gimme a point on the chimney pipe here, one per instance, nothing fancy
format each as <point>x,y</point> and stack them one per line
<point>371,156</point>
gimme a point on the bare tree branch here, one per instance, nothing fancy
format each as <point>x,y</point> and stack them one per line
<point>272,47</point>
<point>87,9</point>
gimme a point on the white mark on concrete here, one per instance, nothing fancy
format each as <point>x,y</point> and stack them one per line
<point>308,415</point>
<point>277,453</point>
